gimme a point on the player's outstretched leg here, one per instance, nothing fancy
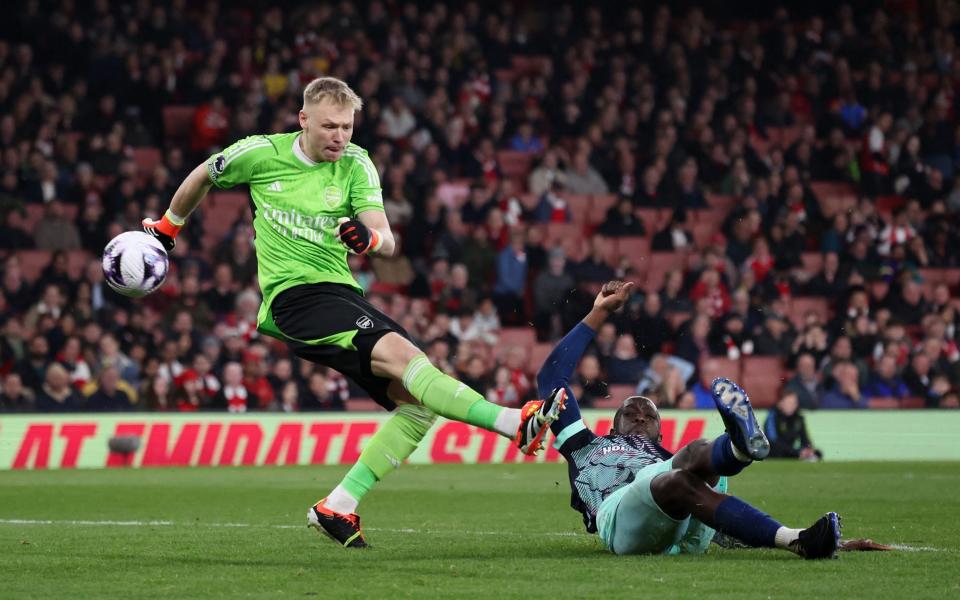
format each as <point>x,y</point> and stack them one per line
<point>681,493</point>
<point>452,399</point>
<point>735,409</point>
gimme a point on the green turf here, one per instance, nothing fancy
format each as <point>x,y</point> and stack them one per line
<point>480,531</point>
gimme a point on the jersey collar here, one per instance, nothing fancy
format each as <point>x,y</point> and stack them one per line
<point>299,153</point>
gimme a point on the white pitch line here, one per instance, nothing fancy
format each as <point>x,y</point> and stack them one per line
<point>108,523</point>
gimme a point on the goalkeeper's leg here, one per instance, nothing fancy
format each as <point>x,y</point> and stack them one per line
<point>393,443</point>
<point>397,358</point>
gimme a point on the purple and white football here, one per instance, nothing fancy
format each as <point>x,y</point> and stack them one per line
<point>134,264</point>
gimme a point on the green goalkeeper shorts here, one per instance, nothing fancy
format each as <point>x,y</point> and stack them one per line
<point>630,521</point>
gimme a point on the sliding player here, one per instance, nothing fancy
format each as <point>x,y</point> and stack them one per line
<point>639,497</point>
<point>315,197</point>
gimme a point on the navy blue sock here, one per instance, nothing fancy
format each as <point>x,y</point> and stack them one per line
<point>737,518</point>
<point>722,459</point>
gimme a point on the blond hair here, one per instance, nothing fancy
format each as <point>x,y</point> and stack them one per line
<point>333,89</point>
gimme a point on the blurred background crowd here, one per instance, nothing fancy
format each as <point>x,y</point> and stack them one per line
<point>782,186</point>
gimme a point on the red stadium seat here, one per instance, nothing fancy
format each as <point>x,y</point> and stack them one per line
<point>913,402</point>
<point>762,377</point>
<point>599,205</point>
<point>654,219</point>
<point>580,207</point>
<point>636,248</point>
<point>611,402</point>
<point>557,233</point>
<point>538,354</point>
<point>619,392</point>
<point>220,211</point>
<point>951,277</point>
<point>514,164</point>
<point>712,367</point>
<point>703,233</point>
<point>178,122</point>
<point>812,262</point>
<point>834,197</point>
<point>799,307</point>
<point>723,202</point>
<point>361,405</point>
<point>147,159</point>
<point>661,263</point>
<point>883,403</point>
<point>33,262</point>
<point>77,261</point>
<point>525,337</point>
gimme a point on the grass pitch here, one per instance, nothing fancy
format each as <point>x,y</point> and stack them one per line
<point>499,531</point>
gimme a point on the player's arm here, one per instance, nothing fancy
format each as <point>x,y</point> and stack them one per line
<point>233,166</point>
<point>368,233</point>
<point>188,196</point>
<point>558,368</point>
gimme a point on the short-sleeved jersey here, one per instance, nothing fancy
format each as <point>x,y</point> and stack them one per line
<point>296,206</point>
<point>600,465</point>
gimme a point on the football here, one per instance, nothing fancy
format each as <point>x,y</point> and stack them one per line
<point>134,264</point>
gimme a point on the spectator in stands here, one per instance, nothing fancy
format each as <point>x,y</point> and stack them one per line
<point>546,174</point>
<point>675,236</point>
<point>502,391</point>
<point>650,328</point>
<point>56,394</point>
<point>234,397</point>
<point>787,430</point>
<point>54,231</point>
<point>15,398</point>
<point>474,374</point>
<point>13,235</point>
<point>552,208</point>
<point>222,295</point>
<point>107,397</point>
<point>693,343</point>
<point>885,382</point>
<point>846,390</point>
<point>525,139</point>
<point>775,338</point>
<point>550,288</point>
<point>509,289</point>
<point>806,383</point>
<point>624,366</point>
<point>32,367</point>
<point>595,267</point>
<point>319,395</point>
<point>158,395</point>
<point>728,338</point>
<point>581,178</point>
<point>622,221</point>
<point>588,384</point>
<point>479,203</point>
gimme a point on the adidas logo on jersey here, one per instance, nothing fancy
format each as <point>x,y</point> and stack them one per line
<point>275,187</point>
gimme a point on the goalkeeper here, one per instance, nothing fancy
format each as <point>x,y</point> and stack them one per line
<point>315,197</point>
<point>641,499</point>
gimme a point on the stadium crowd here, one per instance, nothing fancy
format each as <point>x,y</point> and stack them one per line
<point>784,190</point>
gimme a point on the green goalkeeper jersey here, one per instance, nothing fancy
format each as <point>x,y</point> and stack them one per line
<point>297,203</point>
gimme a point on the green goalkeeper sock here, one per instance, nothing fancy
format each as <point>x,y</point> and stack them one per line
<point>448,397</point>
<point>385,451</point>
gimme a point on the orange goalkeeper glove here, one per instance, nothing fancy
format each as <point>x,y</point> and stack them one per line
<point>165,230</point>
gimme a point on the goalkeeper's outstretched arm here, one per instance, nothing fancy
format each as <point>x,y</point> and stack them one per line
<point>185,200</point>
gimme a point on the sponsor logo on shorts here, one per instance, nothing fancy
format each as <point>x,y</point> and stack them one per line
<point>364,322</point>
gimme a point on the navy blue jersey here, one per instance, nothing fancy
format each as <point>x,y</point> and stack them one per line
<point>600,465</point>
